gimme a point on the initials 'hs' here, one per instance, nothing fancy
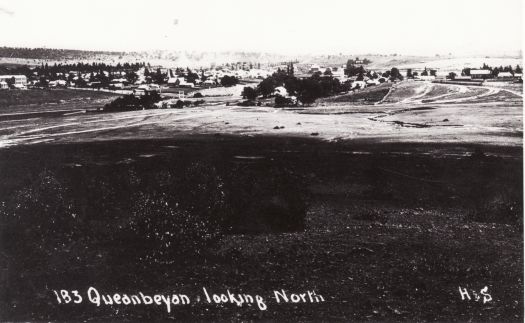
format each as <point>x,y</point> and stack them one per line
<point>465,295</point>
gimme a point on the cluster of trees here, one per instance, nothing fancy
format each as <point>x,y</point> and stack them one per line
<point>190,76</point>
<point>393,74</point>
<point>306,90</point>
<point>131,102</point>
<point>11,82</point>
<point>101,73</point>
<point>155,76</point>
<point>428,72</point>
<point>227,81</point>
<point>359,71</point>
<point>353,70</point>
<point>16,70</point>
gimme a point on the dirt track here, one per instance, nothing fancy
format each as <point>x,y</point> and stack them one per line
<point>415,112</point>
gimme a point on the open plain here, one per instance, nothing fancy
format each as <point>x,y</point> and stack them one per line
<point>391,206</point>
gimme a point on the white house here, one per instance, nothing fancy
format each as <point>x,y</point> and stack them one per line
<point>280,90</point>
<point>358,84</point>
<point>120,80</point>
<point>117,86</point>
<point>480,74</point>
<point>425,77</point>
<point>180,81</point>
<point>20,81</point>
<point>258,73</point>
<point>52,84</point>
<point>338,72</point>
<point>505,75</point>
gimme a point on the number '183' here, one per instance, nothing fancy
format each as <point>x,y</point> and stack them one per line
<point>64,296</point>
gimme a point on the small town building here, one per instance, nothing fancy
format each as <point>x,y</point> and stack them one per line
<point>505,75</point>
<point>280,90</point>
<point>358,85</point>
<point>425,77</point>
<point>480,74</point>
<point>19,81</point>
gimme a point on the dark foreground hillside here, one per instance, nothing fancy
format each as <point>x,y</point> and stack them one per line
<point>381,231</point>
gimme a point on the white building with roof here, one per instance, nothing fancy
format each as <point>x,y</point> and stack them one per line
<point>20,81</point>
<point>502,75</point>
<point>280,90</point>
<point>480,74</point>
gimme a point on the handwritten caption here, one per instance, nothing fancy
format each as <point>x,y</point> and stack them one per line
<point>472,295</point>
<point>93,296</point>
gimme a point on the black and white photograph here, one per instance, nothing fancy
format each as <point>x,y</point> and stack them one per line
<point>261,161</point>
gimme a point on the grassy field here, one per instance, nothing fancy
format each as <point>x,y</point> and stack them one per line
<point>390,231</point>
<point>35,96</point>
<point>369,95</point>
<point>37,103</point>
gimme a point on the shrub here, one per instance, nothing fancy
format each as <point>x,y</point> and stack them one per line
<point>181,104</point>
<point>228,81</point>
<point>281,101</point>
<point>247,103</point>
<point>130,102</point>
<point>198,95</point>
<point>249,93</point>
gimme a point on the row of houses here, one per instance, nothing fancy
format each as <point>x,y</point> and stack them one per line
<point>486,74</point>
<point>478,74</point>
<point>120,79</point>
<point>212,77</point>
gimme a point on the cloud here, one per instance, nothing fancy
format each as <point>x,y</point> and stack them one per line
<point>6,11</point>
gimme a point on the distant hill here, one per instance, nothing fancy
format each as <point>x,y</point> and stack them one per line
<point>52,54</point>
<point>37,56</point>
<point>34,56</point>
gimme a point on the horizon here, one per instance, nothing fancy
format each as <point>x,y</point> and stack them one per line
<point>517,54</point>
<point>461,28</point>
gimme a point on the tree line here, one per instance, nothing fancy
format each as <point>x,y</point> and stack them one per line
<point>51,53</point>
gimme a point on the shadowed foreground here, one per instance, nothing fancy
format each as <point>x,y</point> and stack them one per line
<point>381,231</point>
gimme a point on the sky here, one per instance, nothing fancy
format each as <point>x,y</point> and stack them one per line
<point>418,27</point>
